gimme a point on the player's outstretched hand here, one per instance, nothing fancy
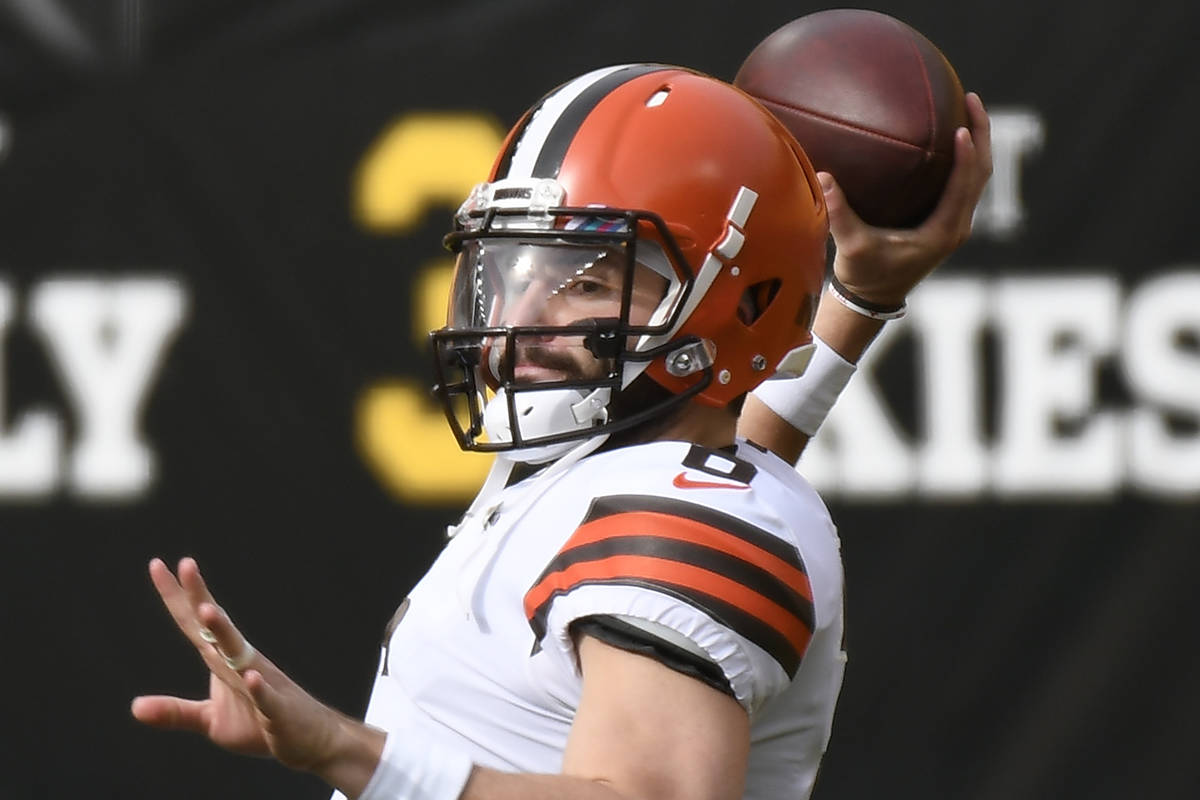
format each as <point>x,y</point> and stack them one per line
<point>252,708</point>
<point>884,264</point>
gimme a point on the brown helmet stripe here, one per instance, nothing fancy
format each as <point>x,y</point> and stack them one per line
<point>550,159</point>
<point>549,138</point>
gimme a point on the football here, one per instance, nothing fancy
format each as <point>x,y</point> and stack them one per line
<point>870,100</point>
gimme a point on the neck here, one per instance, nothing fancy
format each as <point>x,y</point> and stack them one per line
<point>691,422</point>
<point>703,425</point>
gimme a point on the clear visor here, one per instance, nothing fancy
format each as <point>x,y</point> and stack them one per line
<point>510,282</point>
<point>543,306</point>
<point>548,322</point>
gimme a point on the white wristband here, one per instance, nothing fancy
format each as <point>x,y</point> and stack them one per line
<point>805,401</point>
<point>414,768</point>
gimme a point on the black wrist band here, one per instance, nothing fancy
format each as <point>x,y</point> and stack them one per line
<point>863,306</point>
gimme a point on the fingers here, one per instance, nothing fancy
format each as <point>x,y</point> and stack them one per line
<point>973,150</point>
<point>981,131</point>
<point>266,698</point>
<point>171,713</point>
<point>193,583</point>
<point>176,601</point>
<point>950,222</point>
<point>237,653</point>
<point>844,223</point>
<point>217,629</point>
<point>954,210</point>
<point>196,613</point>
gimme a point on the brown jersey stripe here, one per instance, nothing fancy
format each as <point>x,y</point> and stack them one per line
<point>686,578</point>
<point>622,503</point>
<point>689,552</point>
<point>775,644</point>
<point>790,572</point>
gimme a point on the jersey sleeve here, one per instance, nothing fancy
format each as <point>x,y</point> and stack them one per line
<point>738,594</point>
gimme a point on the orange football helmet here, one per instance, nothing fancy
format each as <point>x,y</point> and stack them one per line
<point>641,222</point>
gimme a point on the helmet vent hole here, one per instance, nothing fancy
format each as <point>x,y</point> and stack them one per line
<point>756,299</point>
<point>658,98</point>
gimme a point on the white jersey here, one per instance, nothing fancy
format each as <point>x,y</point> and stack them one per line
<point>732,557</point>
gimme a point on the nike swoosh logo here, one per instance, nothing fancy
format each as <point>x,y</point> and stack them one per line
<point>682,481</point>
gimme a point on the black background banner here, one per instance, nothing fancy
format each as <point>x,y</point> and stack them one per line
<point>220,235</point>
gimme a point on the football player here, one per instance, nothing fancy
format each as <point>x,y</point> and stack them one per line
<point>640,603</point>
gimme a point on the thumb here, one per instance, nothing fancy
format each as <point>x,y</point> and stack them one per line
<point>843,221</point>
<point>171,713</point>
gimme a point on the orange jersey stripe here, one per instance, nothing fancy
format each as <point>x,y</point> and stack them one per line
<point>669,526</point>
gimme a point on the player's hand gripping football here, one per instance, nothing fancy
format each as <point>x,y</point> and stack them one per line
<point>883,265</point>
<point>253,708</point>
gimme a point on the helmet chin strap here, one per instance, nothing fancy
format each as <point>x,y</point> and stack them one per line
<point>541,413</point>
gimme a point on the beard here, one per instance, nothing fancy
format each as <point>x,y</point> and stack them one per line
<point>576,363</point>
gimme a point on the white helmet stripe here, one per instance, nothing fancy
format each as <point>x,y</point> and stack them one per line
<point>533,138</point>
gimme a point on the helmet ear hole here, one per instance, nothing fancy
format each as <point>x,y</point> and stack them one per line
<point>756,299</point>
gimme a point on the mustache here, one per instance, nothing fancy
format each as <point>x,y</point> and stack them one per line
<point>535,355</point>
<point>546,357</point>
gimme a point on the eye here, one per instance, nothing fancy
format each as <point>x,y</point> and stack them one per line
<point>586,285</point>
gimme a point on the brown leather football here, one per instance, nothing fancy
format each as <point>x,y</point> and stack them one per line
<point>870,100</point>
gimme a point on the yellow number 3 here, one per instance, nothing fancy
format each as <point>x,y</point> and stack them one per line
<point>421,162</point>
